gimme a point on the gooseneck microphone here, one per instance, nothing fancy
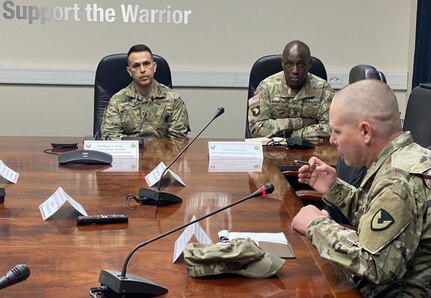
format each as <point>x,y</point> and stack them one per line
<point>301,143</point>
<point>149,196</point>
<point>121,284</point>
<point>16,275</point>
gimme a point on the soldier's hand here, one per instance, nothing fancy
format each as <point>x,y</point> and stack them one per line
<point>305,216</point>
<point>318,175</point>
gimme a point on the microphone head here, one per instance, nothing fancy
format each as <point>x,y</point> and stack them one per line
<point>268,187</point>
<point>219,111</point>
<point>19,273</point>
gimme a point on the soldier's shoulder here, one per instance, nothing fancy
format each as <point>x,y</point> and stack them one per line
<point>273,79</point>
<point>318,82</point>
<point>413,158</point>
<point>166,92</point>
<point>121,96</point>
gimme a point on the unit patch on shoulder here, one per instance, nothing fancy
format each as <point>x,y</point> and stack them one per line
<point>381,220</point>
<point>255,111</point>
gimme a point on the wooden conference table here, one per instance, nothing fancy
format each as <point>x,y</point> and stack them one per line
<point>66,259</point>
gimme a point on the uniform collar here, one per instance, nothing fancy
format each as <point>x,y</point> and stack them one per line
<point>156,93</point>
<point>396,144</point>
<point>288,92</point>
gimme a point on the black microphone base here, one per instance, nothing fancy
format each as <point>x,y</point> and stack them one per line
<point>295,143</point>
<point>129,286</point>
<point>148,196</point>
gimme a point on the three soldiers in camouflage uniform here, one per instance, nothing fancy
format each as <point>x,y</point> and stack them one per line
<point>389,254</point>
<point>291,102</point>
<point>145,108</point>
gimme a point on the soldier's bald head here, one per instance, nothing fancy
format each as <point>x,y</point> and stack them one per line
<point>298,46</point>
<point>368,100</point>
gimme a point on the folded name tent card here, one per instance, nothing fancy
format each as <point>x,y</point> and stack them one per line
<point>8,173</point>
<point>56,201</point>
<point>155,175</point>
<point>186,235</point>
<point>235,150</point>
<point>123,164</point>
<point>235,165</point>
<point>275,243</point>
<point>119,148</point>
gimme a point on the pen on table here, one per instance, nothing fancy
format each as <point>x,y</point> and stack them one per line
<point>306,162</point>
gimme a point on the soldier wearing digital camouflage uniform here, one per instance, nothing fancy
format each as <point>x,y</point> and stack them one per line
<point>145,107</point>
<point>389,251</point>
<point>292,99</point>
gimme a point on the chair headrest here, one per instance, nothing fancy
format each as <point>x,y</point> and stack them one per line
<point>364,72</point>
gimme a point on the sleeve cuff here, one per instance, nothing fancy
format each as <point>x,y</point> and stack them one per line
<point>313,225</point>
<point>333,194</point>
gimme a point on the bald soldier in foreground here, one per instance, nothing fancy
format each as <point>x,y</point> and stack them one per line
<point>389,255</point>
<point>292,102</point>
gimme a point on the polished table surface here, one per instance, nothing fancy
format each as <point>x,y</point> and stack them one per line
<point>66,259</point>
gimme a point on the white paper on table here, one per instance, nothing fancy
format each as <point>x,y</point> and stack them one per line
<point>256,237</point>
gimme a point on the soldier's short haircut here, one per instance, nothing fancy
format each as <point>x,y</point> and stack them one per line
<point>300,44</point>
<point>139,48</point>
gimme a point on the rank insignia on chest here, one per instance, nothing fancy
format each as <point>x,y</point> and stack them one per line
<point>381,220</point>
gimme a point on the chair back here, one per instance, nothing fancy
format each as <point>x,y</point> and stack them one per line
<point>365,71</point>
<point>269,65</point>
<point>418,114</point>
<point>112,76</point>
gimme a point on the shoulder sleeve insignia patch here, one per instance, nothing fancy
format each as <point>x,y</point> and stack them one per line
<point>381,220</point>
<point>255,111</point>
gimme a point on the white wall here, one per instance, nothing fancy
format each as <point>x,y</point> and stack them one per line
<point>220,36</point>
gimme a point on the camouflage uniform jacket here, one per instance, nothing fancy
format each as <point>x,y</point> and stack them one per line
<point>276,108</point>
<point>162,113</point>
<point>390,254</point>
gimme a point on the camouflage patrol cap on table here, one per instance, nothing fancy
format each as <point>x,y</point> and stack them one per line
<point>239,256</point>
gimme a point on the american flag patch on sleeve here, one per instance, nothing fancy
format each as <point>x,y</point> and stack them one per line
<point>253,100</point>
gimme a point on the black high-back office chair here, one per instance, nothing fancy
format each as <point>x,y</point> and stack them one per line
<point>364,72</point>
<point>112,76</point>
<point>418,114</point>
<point>269,65</point>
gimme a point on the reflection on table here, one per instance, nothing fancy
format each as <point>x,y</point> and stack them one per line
<point>66,260</point>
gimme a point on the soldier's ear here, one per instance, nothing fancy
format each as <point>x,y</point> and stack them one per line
<point>129,71</point>
<point>155,66</point>
<point>367,131</point>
